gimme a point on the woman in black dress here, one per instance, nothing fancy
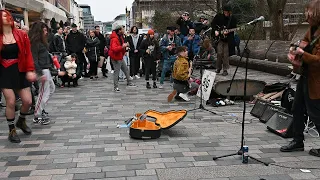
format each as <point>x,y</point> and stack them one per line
<point>16,73</point>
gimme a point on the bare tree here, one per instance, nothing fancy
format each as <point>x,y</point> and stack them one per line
<point>276,9</point>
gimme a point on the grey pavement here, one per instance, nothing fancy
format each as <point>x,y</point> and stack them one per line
<point>83,141</point>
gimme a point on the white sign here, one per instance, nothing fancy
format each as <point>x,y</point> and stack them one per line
<point>206,84</point>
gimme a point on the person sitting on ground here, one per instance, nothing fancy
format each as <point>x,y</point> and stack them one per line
<point>71,69</point>
<point>182,70</point>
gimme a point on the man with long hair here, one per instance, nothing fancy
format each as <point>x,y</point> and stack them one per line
<point>307,98</point>
<point>16,67</point>
<point>43,62</point>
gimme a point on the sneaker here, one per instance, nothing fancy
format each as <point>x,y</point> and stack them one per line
<point>148,85</point>
<point>112,71</point>
<point>172,95</point>
<point>137,77</point>
<point>161,86</point>
<point>184,97</point>
<point>218,71</point>
<point>131,84</point>
<point>293,146</point>
<point>315,152</point>
<point>155,85</point>
<point>40,120</point>
<point>45,113</point>
<point>116,89</point>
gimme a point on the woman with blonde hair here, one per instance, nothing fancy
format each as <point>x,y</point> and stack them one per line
<point>307,98</point>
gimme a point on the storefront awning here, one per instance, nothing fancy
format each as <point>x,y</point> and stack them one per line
<point>34,5</point>
<point>51,11</point>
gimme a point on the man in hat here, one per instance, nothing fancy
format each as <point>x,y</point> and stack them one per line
<point>185,23</point>
<point>168,45</point>
<point>200,25</point>
<point>75,43</point>
<point>225,46</point>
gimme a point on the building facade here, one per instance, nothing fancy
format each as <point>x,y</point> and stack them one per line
<point>88,19</point>
<point>120,20</point>
<point>76,15</point>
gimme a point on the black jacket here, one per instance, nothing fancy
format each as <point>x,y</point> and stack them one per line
<point>199,26</point>
<point>57,44</point>
<point>102,44</point>
<point>41,57</point>
<point>93,50</point>
<point>131,45</point>
<point>184,26</point>
<point>219,22</point>
<point>75,42</point>
<point>146,44</point>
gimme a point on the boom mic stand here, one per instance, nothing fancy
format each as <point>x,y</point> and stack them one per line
<point>246,53</point>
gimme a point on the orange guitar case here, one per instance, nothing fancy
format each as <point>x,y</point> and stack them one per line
<point>147,129</point>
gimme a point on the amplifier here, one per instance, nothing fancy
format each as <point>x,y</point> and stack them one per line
<point>270,110</point>
<point>258,108</point>
<point>281,124</point>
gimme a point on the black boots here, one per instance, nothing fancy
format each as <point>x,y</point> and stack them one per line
<point>293,146</point>
<point>148,85</point>
<point>21,123</point>
<point>13,136</point>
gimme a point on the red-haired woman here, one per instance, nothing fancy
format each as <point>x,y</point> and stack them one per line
<point>16,72</point>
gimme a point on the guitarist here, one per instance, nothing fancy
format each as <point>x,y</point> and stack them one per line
<point>225,46</point>
<point>307,98</point>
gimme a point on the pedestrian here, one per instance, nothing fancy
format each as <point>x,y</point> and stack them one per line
<point>150,52</point>
<point>117,52</point>
<point>93,53</point>
<point>75,44</point>
<point>43,62</point>
<point>102,45</point>
<point>16,67</point>
<point>134,40</point>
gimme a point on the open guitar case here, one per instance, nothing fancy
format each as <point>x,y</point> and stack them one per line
<point>153,122</point>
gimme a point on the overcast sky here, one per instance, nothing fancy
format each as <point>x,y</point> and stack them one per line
<point>106,10</point>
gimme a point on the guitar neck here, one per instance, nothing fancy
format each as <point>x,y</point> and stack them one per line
<point>231,30</point>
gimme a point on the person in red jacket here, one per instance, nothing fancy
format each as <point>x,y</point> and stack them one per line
<point>116,52</point>
<point>16,73</point>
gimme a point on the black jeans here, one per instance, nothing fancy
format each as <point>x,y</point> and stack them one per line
<point>134,65</point>
<point>93,68</point>
<point>150,66</point>
<point>303,107</point>
<point>81,61</point>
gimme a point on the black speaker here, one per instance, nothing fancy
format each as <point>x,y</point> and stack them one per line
<point>258,108</point>
<point>281,124</point>
<point>270,111</point>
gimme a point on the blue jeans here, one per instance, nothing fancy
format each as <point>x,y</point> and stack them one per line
<point>167,65</point>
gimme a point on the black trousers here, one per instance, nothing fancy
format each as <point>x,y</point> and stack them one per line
<point>134,65</point>
<point>150,67</point>
<point>93,68</point>
<point>303,107</point>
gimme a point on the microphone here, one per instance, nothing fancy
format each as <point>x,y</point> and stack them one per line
<point>261,18</point>
<point>207,30</point>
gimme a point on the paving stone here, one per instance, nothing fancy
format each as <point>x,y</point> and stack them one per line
<point>19,174</point>
<point>89,176</point>
<point>36,178</point>
<point>146,172</point>
<point>120,174</point>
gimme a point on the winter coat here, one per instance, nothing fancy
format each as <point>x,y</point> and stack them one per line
<point>116,51</point>
<point>153,45</point>
<point>41,57</point>
<point>93,50</point>
<point>58,44</point>
<point>184,26</point>
<point>129,39</point>
<point>103,43</point>
<point>70,66</point>
<point>75,42</point>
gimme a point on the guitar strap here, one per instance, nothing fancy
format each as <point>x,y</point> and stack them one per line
<point>229,22</point>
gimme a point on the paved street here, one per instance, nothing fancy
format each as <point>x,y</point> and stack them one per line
<point>83,141</point>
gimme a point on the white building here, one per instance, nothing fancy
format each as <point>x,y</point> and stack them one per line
<point>120,20</point>
<point>76,14</point>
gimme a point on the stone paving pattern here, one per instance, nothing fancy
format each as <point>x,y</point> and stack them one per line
<point>83,142</point>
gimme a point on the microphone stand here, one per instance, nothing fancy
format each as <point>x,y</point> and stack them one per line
<point>246,53</point>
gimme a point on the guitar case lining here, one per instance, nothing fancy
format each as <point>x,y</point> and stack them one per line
<point>148,129</point>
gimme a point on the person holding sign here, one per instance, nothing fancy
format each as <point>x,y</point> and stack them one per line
<point>181,74</point>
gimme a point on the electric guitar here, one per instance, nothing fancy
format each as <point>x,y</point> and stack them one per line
<point>222,35</point>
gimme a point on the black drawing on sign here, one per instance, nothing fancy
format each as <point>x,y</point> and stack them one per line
<point>206,82</point>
